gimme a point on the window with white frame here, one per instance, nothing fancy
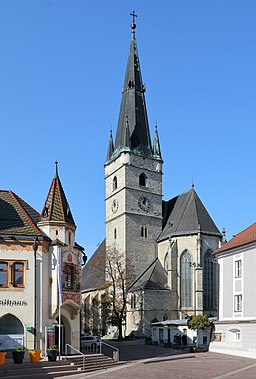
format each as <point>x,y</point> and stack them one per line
<point>238,268</point>
<point>237,336</point>
<point>238,303</point>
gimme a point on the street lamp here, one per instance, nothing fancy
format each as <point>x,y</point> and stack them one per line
<point>35,247</point>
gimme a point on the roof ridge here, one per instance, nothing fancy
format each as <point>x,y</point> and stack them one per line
<point>196,205</point>
<point>61,199</point>
<point>181,217</point>
<point>140,276</point>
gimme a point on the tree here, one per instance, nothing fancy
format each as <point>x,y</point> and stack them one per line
<point>198,322</point>
<point>118,274</point>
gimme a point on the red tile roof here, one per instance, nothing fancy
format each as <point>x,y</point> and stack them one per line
<point>56,206</point>
<point>16,216</point>
<point>246,236</point>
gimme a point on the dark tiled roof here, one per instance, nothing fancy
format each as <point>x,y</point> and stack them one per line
<point>245,237</point>
<point>183,214</point>
<point>16,216</point>
<point>56,207</point>
<point>93,276</point>
<point>153,278</point>
<point>133,108</point>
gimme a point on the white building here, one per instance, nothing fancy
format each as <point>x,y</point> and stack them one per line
<point>235,330</point>
<point>29,295</point>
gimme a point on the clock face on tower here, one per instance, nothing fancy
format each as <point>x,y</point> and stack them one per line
<point>114,206</point>
<point>144,203</point>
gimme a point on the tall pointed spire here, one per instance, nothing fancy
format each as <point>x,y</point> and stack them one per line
<point>110,147</point>
<point>56,207</point>
<point>156,146</point>
<point>127,141</point>
<point>133,105</point>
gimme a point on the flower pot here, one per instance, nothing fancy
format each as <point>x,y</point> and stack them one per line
<point>34,356</point>
<point>18,356</point>
<point>52,355</point>
<point>2,357</point>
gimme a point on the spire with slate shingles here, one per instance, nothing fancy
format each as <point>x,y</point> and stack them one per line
<point>127,141</point>
<point>56,207</point>
<point>133,107</point>
<point>110,147</point>
<point>156,146</point>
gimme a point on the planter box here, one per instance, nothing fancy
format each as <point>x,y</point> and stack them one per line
<point>52,355</point>
<point>18,356</point>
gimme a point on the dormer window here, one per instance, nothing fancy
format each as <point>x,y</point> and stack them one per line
<point>115,183</point>
<point>45,212</point>
<point>143,180</point>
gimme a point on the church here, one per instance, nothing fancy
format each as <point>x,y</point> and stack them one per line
<point>168,244</point>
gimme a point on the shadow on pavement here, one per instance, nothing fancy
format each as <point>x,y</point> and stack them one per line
<point>132,350</point>
<point>172,358</point>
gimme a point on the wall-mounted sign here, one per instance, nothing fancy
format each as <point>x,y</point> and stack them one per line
<point>13,303</point>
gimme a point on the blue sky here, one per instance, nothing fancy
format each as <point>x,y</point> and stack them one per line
<point>61,74</point>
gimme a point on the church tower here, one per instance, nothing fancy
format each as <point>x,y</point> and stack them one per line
<point>133,173</point>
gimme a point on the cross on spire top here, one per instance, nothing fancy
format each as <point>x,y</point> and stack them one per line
<point>133,25</point>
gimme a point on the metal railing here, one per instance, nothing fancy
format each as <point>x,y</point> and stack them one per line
<point>77,351</point>
<point>115,352</point>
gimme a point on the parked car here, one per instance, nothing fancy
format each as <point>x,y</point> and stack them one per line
<point>137,334</point>
<point>90,342</point>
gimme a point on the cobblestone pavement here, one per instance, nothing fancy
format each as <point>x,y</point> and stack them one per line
<point>156,362</point>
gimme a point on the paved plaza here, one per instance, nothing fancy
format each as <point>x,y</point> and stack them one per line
<point>156,362</point>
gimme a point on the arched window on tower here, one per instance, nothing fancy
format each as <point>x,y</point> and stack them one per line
<point>209,282</point>
<point>142,231</point>
<point>133,301</point>
<point>115,233</point>
<point>186,283</point>
<point>115,183</point>
<point>143,180</point>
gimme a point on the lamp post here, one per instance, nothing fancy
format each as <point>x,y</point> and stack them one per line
<point>35,247</point>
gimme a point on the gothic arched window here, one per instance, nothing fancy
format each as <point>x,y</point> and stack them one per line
<point>115,183</point>
<point>209,281</point>
<point>186,284</point>
<point>142,180</point>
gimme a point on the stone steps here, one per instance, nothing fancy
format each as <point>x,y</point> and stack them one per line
<point>44,369</point>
